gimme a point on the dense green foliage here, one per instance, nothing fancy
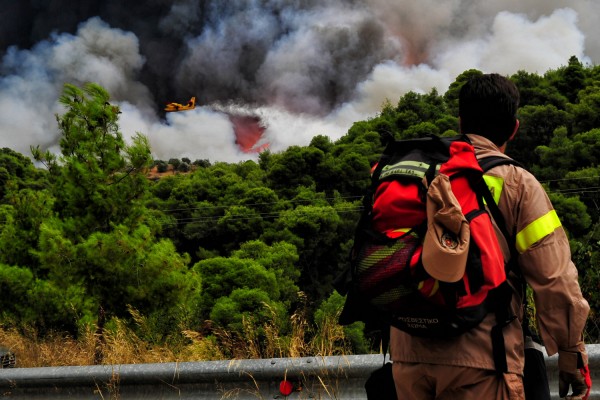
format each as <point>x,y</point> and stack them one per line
<point>88,237</point>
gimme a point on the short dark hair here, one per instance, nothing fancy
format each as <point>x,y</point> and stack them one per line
<point>487,106</point>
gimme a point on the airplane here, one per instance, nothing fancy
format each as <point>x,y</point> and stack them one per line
<point>180,107</point>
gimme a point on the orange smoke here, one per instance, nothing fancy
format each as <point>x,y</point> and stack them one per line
<point>415,47</point>
<point>249,131</point>
<point>415,53</point>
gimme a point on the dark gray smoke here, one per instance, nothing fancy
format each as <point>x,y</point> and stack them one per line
<point>302,55</point>
<point>305,67</point>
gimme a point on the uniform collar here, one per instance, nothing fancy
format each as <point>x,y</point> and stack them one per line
<point>482,143</point>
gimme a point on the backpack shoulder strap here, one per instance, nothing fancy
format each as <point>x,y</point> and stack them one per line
<point>503,314</point>
<point>489,162</point>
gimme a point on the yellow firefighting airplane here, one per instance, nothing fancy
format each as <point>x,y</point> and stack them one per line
<point>180,107</point>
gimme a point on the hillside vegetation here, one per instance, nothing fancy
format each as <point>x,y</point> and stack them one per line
<point>237,260</point>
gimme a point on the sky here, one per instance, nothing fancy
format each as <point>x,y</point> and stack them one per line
<point>265,73</point>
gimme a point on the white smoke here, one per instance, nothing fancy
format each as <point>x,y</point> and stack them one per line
<point>196,134</point>
<point>27,102</point>
<point>514,42</point>
<point>30,89</point>
<point>305,71</point>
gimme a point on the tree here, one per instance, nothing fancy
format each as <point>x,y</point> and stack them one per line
<point>566,154</point>
<point>585,113</point>
<point>535,90</point>
<point>281,258</point>
<point>183,167</point>
<point>586,255</point>
<point>245,304</point>
<point>18,172</point>
<point>161,166</point>
<point>238,224</point>
<point>353,172</point>
<point>221,276</point>
<point>570,79</point>
<point>102,241</point>
<point>538,125</point>
<point>315,231</point>
<point>20,220</point>
<point>255,285</point>
<point>556,158</point>
<point>322,143</point>
<point>420,130</point>
<point>24,203</point>
<point>28,301</point>
<point>294,167</point>
<point>414,108</point>
<point>174,162</point>
<point>572,213</point>
<point>201,163</point>
<point>97,179</point>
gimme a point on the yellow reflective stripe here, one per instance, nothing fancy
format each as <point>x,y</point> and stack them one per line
<point>537,230</point>
<point>403,230</point>
<point>495,184</point>
<point>409,168</point>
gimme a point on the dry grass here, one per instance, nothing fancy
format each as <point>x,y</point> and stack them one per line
<point>121,344</point>
<point>52,350</point>
<point>120,347</point>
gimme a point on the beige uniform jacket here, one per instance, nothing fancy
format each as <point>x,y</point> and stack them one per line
<point>545,261</point>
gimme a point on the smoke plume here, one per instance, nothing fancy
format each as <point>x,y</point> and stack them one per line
<point>264,72</point>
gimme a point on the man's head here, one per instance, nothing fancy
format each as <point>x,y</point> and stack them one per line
<point>487,106</point>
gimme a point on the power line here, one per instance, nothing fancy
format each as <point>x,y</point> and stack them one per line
<point>570,179</point>
<point>244,217</point>
<point>210,207</point>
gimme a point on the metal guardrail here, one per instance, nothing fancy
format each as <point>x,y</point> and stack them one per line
<point>313,378</point>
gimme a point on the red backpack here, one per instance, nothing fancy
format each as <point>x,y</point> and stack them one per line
<point>426,258</point>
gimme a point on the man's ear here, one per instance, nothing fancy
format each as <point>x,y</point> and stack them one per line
<point>517,124</point>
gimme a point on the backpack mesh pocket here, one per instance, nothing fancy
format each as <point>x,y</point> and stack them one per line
<point>382,266</point>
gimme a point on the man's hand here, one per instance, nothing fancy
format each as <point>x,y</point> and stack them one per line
<point>580,382</point>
